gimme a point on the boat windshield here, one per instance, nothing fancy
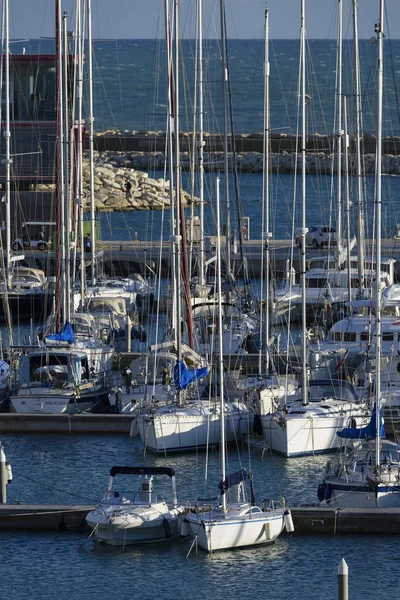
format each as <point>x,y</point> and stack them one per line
<point>331,390</point>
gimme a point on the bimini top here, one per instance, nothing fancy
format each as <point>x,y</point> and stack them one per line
<point>142,471</point>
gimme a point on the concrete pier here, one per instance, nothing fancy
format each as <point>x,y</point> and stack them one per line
<point>126,257</point>
<point>308,520</point>
<point>80,423</point>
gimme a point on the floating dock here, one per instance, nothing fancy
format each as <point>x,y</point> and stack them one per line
<point>308,520</point>
<point>77,423</point>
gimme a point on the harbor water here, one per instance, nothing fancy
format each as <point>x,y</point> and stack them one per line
<point>51,468</point>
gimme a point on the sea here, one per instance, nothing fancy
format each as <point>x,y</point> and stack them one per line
<point>73,469</point>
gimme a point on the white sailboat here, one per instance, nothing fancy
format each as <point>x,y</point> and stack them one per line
<point>129,516</point>
<point>369,476</point>
<point>234,522</point>
<point>307,424</point>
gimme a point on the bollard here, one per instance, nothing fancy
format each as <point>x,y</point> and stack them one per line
<point>343,580</point>
<point>3,476</point>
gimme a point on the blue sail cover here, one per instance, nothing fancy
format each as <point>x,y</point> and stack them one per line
<point>364,433</point>
<point>232,480</point>
<point>183,376</point>
<point>65,335</point>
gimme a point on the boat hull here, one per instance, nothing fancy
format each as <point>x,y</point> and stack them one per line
<point>50,401</point>
<point>225,534</point>
<point>298,436</point>
<point>353,495</point>
<point>176,431</point>
<point>130,529</point>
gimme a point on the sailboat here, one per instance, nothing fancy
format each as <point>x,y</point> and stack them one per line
<point>369,476</point>
<point>308,422</point>
<point>233,522</point>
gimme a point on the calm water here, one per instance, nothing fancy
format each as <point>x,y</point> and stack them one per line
<point>74,469</point>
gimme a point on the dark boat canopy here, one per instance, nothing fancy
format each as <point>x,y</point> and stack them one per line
<point>142,471</point>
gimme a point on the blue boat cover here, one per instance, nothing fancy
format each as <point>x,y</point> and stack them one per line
<point>65,335</point>
<point>364,433</point>
<point>183,376</point>
<point>232,480</point>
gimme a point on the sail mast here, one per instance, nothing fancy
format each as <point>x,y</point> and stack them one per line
<point>221,348</point>
<point>266,142</point>
<point>91,152</point>
<point>339,131</point>
<point>303,203</point>
<point>202,255</point>
<point>224,65</point>
<point>7,136</point>
<point>360,209</point>
<point>378,210</point>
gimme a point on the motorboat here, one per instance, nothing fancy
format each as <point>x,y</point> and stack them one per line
<point>128,515</point>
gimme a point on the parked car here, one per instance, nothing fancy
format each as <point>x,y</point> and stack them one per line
<point>318,236</point>
<point>25,242</point>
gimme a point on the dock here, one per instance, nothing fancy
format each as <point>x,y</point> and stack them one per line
<point>64,423</point>
<point>141,256</point>
<point>308,520</point>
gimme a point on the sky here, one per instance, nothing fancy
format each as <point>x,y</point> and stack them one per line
<point>245,18</point>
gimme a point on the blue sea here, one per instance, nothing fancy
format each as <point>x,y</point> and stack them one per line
<point>130,94</point>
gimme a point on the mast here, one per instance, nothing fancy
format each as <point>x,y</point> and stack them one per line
<point>91,149</point>
<point>225,118</point>
<point>303,203</point>
<point>7,135</point>
<point>378,209</point>
<point>347,195</point>
<point>60,251</point>
<point>67,220</point>
<point>339,132</point>
<point>360,210</point>
<point>266,198</point>
<point>170,145</point>
<point>202,277</point>
<point>221,349</point>
<point>79,170</point>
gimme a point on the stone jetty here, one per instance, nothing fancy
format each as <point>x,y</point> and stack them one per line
<point>131,156</point>
<point>112,171</point>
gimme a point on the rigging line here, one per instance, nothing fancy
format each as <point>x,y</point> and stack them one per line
<point>54,488</point>
<point>392,64</point>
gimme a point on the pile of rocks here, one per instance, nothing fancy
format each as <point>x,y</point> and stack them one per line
<point>112,172</point>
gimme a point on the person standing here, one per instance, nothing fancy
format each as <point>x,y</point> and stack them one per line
<point>128,189</point>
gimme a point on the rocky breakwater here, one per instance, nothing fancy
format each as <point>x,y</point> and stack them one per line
<point>111,173</point>
<point>144,150</point>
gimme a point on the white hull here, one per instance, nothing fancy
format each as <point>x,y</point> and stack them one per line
<point>215,532</point>
<point>170,429</point>
<point>292,435</point>
<point>353,495</point>
<point>49,401</point>
<point>147,524</point>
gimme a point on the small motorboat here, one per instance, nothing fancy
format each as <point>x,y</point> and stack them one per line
<point>139,516</point>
